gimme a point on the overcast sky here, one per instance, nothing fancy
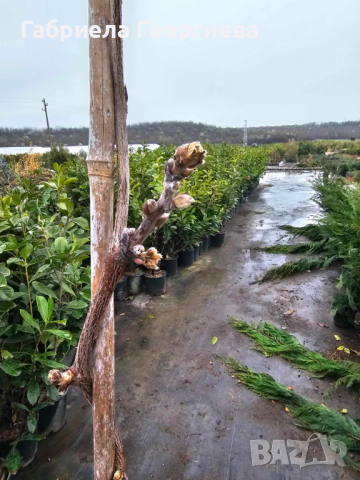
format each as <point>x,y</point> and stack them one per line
<point>303,67</point>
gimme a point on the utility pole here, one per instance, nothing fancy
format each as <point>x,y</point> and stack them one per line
<point>245,137</point>
<point>47,120</point>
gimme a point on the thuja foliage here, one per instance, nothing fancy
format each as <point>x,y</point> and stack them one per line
<point>310,248</point>
<point>302,265</point>
<point>335,237</point>
<point>272,341</point>
<point>307,414</point>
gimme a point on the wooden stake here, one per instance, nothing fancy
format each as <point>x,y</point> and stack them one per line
<point>101,176</point>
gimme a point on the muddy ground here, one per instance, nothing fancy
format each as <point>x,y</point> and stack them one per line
<point>183,417</point>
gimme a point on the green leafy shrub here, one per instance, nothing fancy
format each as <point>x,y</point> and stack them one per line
<point>216,186</point>
<point>44,292</point>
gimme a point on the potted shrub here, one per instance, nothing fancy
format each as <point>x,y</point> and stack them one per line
<point>165,241</point>
<point>218,239</point>
<point>135,281</point>
<point>44,293</point>
<point>155,282</point>
<point>121,290</point>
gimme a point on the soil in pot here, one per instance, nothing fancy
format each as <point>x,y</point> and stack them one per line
<point>186,258</point>
<point>218,239</point>
<point>9,432</point>
<point>155,282</point>
<point>121,289</point>
<point>170,265</point>
<point>135,282</point>
<point>196,252</point>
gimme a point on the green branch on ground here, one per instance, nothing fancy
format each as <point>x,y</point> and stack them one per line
<point>272,341</point>
<point>302,265</point>
<point>307,414</point>
<point>312,232</point>
<point>310,248</point>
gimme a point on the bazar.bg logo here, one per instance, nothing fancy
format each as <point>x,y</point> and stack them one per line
<point>262,453</point>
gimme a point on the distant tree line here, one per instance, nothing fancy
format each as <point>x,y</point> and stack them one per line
<point>181,132</point>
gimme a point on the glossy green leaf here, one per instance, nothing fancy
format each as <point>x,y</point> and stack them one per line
<point>41,288</point>
<point>26,251</point>
<point>51,363</point>
<point>6,305</point>
<point>50,307</point>
<point>60,333</point>
<point>30,320</point>
<point>11,368</point>
<point>3,270</point>
<point>42,305</point>
<point>31,422</point>
<point>13,461</point>
<point>82,222</point>
<point>21,406</point>
<point>52,392</point>
<point>77,304</point>
<point>33,391</point>
<point>61,245</point>
<point>5,355</point>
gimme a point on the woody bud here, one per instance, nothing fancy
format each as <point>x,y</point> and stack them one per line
<point>182,201</point>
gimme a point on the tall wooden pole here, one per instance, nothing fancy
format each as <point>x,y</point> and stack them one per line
<point>101,176</point>
<point>47,121</point>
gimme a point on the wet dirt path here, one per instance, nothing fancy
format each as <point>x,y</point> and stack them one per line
<point>183,417</point>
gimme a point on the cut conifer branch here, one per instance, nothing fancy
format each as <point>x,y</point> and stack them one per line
<point>307,414</point>
<point>272,341</point>
<point>126,247</point>
<point>302,265</point>
<point>309,248</point>
<point>313,232</point>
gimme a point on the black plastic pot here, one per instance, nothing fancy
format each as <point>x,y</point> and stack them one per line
<point>342,321</point>
<point>155,285</point>
<point>121,291</point>
<point>53,417</point>
<point>135,282</point>
<point>196,252</point>
<point>232,212</point>
<point>206,243</point>
<point>201,244</point>
<point>218,240</point>
<point>186,258</point>
<point>170,266</point>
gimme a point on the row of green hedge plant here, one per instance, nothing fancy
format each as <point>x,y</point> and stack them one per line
<point>44,242</point>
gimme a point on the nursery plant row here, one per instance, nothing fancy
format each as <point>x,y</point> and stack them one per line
<point>45,273</point>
